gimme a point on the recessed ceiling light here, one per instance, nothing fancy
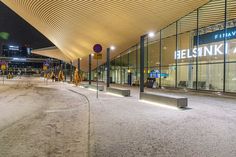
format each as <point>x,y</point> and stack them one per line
<point>113,47</point>
<point>151,34</point>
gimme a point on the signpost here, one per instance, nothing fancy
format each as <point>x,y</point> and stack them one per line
<point>98,56</point>
<point>97,48</point>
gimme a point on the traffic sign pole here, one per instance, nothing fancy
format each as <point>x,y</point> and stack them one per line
<point>97,48</point>
<point>97,78</point>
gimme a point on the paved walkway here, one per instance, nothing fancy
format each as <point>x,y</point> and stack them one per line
<point>126,127</point>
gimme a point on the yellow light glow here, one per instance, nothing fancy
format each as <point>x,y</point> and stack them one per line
<point>159,105</point>
<point>113,47</point>
<point>151,34</point>
<point>94,90</point>
<point>114,94</point>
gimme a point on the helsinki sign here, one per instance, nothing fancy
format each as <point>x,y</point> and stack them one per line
<point>210,49</point>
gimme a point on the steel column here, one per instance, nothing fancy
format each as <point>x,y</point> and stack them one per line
<point>65,70</point>
<point>142,39</point>
<point>108,67</point>
<point>197,49</point>
<point>78,65</point>
<point>90,68</point>
<point>225,48</point>
<point>136,60</point>
<point>71,72</point>
<point>176,61</point>
<point>160,59</point>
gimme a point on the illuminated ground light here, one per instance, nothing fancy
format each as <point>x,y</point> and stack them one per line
<point>114,94</point>
<point>94,90</point>
<point>159,105</point>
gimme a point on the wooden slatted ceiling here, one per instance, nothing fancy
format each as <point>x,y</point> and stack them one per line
<point>52,52</point>
<point>74,26</point>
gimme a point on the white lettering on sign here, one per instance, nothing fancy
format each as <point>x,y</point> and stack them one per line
<point>217,49</point>
<point>211,50</point>
<point>228,35</point>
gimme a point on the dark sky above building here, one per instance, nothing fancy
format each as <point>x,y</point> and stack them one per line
<point>21,32</point>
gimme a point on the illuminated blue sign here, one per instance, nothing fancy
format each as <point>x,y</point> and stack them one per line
<point>216,36</point>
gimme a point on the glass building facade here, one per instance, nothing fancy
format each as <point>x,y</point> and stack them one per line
<point>196,52</point>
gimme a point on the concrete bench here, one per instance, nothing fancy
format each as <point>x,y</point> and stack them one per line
<point>93,86</point>
<point>85,85</point>
<point>119,91</point>
<point>180,102</point>
<point>100,87</point>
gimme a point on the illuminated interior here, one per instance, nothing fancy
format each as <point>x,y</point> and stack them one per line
<point>191,53</point>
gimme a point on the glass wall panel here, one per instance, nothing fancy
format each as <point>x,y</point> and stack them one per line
<point>211,46</point>
<point>132,64</point>
<point>112,72</point>
<point>168,48</point>
<point>117,70</point>
<point>125,66</point>
<point>103,72</point>
<point>230,85</point>
<point>231,77</point>
<point>186,59</point>
<point>210,76</point>
<point>138,65</point>
<point>154,54</point>
<point>154,58</point>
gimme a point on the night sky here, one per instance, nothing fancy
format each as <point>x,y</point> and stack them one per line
<point>21,32</point>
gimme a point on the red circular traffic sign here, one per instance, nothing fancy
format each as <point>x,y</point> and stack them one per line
<point>97,48</point>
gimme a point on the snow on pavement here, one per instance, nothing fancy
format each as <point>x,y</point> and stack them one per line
<point>42,121</point>
<point>52,120</point>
